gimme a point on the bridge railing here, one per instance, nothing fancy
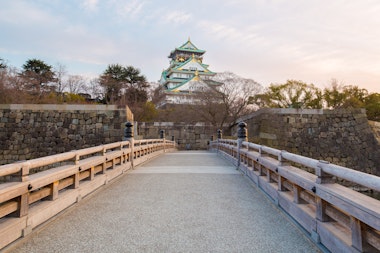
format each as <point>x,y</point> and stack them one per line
<point>38,189</point>
<point>341,219</point>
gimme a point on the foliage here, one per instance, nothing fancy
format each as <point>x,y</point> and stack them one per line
<point>73,98</point>
<point>112,81</point>
<point>372,106</point>
<point>124,85</point>
<point>292,94</point>
<point>147,112</point>
<point>37,75</point>
<point>339,96</point>
<point>296,94</point>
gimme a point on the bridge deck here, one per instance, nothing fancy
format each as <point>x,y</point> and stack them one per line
<point>179,202</point>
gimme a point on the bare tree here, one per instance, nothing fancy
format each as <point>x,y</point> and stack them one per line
<point>156,92</point>
<point>228,101</point>
<point>60,73</point>
<point>11,88</point>
<point>94,88</point>
<point>76,84</point>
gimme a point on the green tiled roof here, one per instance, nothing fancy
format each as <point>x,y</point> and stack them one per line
<point>189,46</point>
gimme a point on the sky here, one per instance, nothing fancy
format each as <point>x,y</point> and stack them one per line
<point>270,41</point>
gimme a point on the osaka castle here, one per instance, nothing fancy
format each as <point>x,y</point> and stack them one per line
<point>186,76</point>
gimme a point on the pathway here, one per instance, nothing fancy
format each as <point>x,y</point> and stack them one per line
<point>179,202</point>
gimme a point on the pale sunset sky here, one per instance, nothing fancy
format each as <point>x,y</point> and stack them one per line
<point>268,41</point>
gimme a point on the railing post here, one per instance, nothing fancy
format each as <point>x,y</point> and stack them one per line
<point>162,136</point>
<point>128,134</point>
<point>242,136</point>
<point>281,162</point>
<point>219,135</point>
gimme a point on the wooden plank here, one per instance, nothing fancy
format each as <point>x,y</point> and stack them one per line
<point>117,171</point>
<point>39,194</point>
<point>48,209</point>
<point>353,203</point>
<point>9,169</point>
<point>89,186</point>
<point>65,183</point>
<point>84,175</point>
<point>7,208</point>
<point>303,214</point>
<point>98,169</point>
<point>268,162</point>
<point>12,190</point>
<point>253,176</point>
<point>269,188</point>
<point>308,197</point>
<point>334,237</point>
<point>297,176</point>
<point>373,238</point>
<point>87,163</point>
<point>11,229</point>
<point>338,216</point>
<point>47,177</point>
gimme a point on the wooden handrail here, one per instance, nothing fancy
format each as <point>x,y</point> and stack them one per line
<point>71,175</point>
<point>336,216</point>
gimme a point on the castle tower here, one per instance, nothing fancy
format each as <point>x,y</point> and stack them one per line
<point>186,75</point>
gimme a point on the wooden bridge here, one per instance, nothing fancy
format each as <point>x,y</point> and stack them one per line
<point>185,201</point>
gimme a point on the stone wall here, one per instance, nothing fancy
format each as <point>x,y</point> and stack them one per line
<point>343,137</point>
<point>187,136</point>
<point>375,129</point>
<point>31,131</point>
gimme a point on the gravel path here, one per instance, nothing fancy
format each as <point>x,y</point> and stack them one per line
<point>179,202</point>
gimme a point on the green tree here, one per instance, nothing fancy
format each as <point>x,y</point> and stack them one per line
<point>124,85</point>
<point>136,87</point>
<point>37,76</point>
<point>344,96</point>
<point>372,106</point>
<point>292,94</point>
<point>112,81</point>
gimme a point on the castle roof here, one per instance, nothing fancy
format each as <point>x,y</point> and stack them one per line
<point>188,47</point>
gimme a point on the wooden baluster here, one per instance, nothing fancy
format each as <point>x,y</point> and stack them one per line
<point>92,173</point>
<point>358,235</point>
<point>104,168</point>
<point>54,190</point>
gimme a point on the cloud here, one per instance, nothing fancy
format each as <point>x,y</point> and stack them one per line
<point>265,40</point>
<point>131,9</point>
<point>90,5</point>
<point>20,13</point>
<point>175,17</point>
